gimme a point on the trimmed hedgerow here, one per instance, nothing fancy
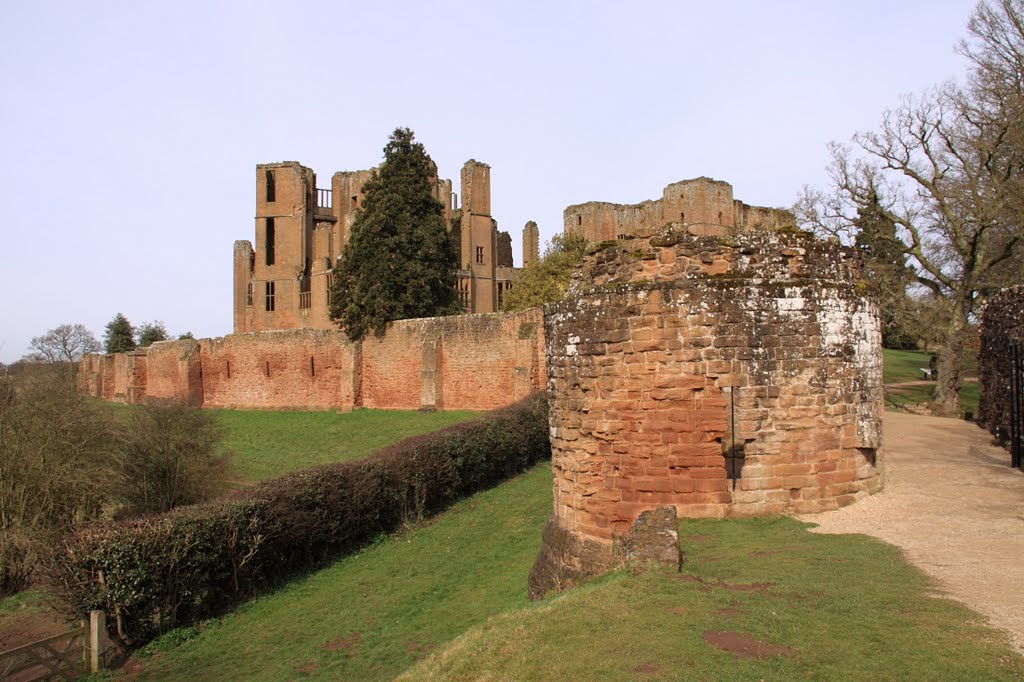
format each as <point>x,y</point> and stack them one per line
<point>156,573</point>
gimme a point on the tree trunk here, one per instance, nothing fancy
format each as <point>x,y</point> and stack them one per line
<point>951,364</point>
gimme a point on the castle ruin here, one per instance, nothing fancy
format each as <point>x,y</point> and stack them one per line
<point>704,205</point>
<point>284,281</point>
<point>730,366</point>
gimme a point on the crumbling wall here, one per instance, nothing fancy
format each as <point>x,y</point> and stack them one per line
<point>174,372</point>
<point>722,376</point>
<point>470,362</point>
<point>1002,324</point>
<point>705,205</point>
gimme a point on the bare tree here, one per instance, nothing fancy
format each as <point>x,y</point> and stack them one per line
<point>66,343</point>
<point>947,168</point>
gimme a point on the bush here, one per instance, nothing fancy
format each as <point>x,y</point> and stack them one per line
<point>17,562</point>
<point>55,467</point>
<point>168,459</point>
<point>64,463</point>
<point>160,572</point>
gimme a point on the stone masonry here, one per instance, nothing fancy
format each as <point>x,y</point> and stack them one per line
<point>467,362</point>
<point>717,370</point>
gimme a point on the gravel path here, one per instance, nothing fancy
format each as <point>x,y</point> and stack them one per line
<point>955,506</point>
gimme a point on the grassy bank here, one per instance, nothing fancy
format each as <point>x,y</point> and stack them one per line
<point>372,615</point>
<point>448,601</point>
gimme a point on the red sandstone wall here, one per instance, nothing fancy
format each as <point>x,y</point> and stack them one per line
<point>392,365</point>
<point>470,362</point>
<point>174,371</point>
<point>491,360</point>
<point>300,369</point>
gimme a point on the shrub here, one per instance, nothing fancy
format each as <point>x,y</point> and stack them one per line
<point>17,562</point>
<point>168,458</point>
<point>55,467</point>
<point>160,572</point>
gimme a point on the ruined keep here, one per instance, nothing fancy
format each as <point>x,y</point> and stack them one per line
<point>705,205</point>
<point>707,366</point>
<point>283,282</point>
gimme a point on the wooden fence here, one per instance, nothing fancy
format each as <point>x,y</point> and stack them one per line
<point>61,657</point>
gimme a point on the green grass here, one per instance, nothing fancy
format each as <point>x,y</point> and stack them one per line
<point>448,601</point>
<point>900,366</point>
<point>27,601</point>
<point>371,615</point>
<point>903,365</point>
<point>845,607</point>
<point>268,444</point>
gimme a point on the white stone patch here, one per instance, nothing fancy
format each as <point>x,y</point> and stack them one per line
<point>790,304</point>
<point>570,348</point>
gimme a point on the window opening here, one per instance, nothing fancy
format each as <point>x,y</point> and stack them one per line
<point>312,367</point>
<point>269,293</point>
<point>269,242</point>
<point>270,187</point>
<point>250,292</point>
<point>266,368</point>
<point>228,364</point>
<point>479,254</point>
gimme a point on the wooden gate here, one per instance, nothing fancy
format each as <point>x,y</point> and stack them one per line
<point>58,657</point>
<point>62,657</point>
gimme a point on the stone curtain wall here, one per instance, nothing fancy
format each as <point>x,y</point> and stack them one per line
<point>1002,323</point>
<point>303,369</point>
<point>672,352</point>
<point>472,362</point>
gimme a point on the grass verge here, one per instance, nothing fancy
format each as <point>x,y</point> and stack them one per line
<point>373,614</point>
<point>448,601</point>
<point>760,599</point>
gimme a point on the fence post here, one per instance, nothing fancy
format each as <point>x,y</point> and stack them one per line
<point>96,643</point>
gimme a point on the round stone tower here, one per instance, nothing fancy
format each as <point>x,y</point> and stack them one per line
<point>721,375</point>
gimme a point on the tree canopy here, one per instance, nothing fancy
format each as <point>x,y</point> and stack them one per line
<point>946,170</point>
<point>149,333</point>
<point>119,336</point>
<point>545,280</point>
<point>64,343</point>
<point>399,261</point>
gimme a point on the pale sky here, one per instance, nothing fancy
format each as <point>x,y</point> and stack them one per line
<point>129,131</point>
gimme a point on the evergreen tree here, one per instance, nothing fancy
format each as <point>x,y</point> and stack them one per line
<point>886,273</point>
<point>399,262</point>
<point>151,332</point>
<point>119,336</point>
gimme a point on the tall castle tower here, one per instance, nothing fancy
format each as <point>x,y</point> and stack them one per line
<point>301,230</point>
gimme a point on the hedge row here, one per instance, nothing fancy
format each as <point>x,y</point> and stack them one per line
<point>159,572</point>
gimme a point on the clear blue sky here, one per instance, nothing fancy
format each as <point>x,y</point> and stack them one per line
<point>129,131</point>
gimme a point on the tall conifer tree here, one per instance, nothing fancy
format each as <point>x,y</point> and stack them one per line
<point>399,262</point>
<point>119,336</point>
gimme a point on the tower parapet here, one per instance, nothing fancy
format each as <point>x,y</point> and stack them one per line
<point>704,204</point>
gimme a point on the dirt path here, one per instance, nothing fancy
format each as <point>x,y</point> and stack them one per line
<point>955,506</point>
